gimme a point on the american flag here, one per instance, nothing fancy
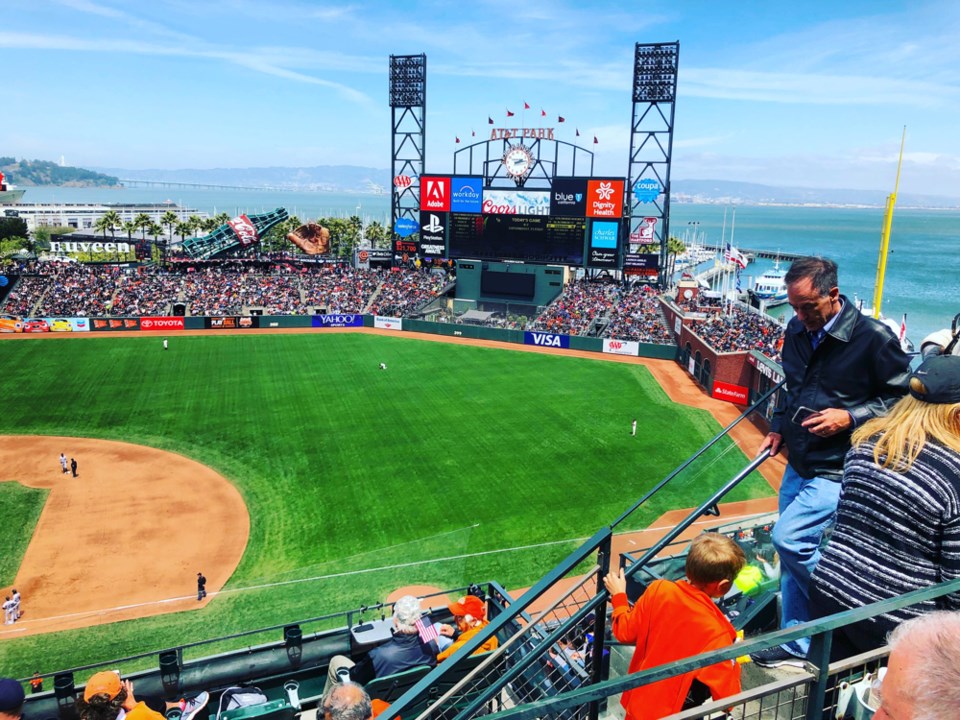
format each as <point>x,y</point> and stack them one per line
<point>427,631</point>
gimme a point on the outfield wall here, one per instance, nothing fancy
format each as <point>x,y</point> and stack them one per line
<point>167,325</point>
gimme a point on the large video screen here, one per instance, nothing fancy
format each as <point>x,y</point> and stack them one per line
<point>534,238</point>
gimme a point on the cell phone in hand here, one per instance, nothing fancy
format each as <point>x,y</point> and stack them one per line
<point>802,413</point>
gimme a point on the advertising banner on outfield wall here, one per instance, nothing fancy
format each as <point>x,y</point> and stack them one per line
<point>56,324</point>
<point>621,347</point>
<point>345,320</point>
<point>232,322</point>
<point>387,323</point>
<point>114,324</point>
<point>546,339</point>
<point>729,392</point>
<point>161,324</point>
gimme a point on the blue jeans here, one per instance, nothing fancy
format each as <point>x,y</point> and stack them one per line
<point>807,508</point>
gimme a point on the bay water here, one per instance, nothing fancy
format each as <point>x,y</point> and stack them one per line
<point>923,267</point>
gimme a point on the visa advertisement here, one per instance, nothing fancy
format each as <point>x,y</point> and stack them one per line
<point>541,339</point>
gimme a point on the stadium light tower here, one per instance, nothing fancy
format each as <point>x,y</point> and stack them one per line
<point>408,107</point>
<point>651,146</point>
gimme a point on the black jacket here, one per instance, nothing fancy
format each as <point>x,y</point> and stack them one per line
<point>400,652</point>
<point>858,366</point>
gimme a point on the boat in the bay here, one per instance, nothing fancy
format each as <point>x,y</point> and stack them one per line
<point>771,286</point>
<point>9,195</point>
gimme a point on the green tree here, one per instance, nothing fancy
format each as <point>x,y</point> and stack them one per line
<point>222,218</point>
<point>675,247</point>
<point>101,225</point>
<point>113,222</point>
<point>13,227</point>
<point>377,234</point>
<point>130,227</point>
<point>142,221</point>
<point>183,229</point>
<point>169,220</point>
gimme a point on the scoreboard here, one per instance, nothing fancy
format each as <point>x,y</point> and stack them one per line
<point>578,221</point>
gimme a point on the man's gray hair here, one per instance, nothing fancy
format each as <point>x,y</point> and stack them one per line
<point>934,678</point>
<point>406,612</point>
<point>347,701</point>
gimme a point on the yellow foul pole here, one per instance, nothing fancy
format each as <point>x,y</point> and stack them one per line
<point>885,235</point>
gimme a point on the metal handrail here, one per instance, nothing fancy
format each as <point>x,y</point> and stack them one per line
<point>820,629</point>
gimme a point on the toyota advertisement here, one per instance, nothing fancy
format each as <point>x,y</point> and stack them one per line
<point>161,324</point>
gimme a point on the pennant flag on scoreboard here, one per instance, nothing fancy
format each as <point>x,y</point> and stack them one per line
<point>578,132</point>
<point>525,105</point>
<point>561,118</point>
<point>458,140</point>
<point>595,141</point>
<point>473,133</point>
<point>489,120</point>
<point>543,113</point>
<point>509,114</point>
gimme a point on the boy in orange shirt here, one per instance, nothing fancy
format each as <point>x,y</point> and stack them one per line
<point>674,620</point>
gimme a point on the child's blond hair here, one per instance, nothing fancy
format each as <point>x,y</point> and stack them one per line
<point>714,557</point>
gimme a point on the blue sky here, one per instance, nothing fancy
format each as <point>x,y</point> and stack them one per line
<point>813,94</point>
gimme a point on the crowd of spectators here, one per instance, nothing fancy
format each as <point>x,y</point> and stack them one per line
<point>580,303</point>
<point>636,315</point>
<point>55,289</point>
<point>403,292</point>
<point>340,289</point>
<point>737,329</point>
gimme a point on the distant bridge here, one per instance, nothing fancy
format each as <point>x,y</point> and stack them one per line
<point>195,186</point>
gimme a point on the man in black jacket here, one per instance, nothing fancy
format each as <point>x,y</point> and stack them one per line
<point>841,368</point>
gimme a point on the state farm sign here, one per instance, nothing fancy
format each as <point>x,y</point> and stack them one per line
<point>161,323</point>
<point>731,393</point>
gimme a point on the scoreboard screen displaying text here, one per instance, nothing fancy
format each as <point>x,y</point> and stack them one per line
<point>577,221</point>
<point>534,238</point>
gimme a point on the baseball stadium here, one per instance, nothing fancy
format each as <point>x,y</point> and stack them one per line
<point>227,467</point>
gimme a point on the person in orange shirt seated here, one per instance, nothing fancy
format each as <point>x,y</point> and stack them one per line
<point>106,695</point>
<point>675,620</point>
<point>469,614</point>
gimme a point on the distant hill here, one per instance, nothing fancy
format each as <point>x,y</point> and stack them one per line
<point>329,178</point>
<point>27,173</point>
<point>351,178</point>
<point>728,192</point>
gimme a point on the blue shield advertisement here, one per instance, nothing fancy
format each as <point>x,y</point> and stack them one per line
<point>405,227</point>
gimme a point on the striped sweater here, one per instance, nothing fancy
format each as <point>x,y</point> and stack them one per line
<point>894,533</point>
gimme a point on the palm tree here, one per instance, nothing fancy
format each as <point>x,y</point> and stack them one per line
<point>113,220</point>
<point>196,223</point>
<point>222,218</point>
<point>183,229</point>
<point>675,247</point>
<point>130,227</point>
<point>142,221</point>
<point>101,225</point>
<point>168,220</point>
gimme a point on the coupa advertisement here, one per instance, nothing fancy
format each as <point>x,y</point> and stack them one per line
<point>337,321</point>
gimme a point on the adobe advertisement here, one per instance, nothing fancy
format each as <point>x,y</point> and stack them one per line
<point>435,193</point>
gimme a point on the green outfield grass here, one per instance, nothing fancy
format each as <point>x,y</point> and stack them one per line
<point>24,504</point>
<point>452,451</point>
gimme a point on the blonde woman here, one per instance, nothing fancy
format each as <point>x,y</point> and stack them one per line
<point>898,521</point>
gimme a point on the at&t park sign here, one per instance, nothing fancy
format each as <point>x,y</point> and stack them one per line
<point>532,133</point>
<point>78,247</point>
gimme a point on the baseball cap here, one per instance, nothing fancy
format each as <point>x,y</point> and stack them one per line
<point>937,380</point>
<point>469,605</point>
<point>11,694</point>
<point>103,683</point>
